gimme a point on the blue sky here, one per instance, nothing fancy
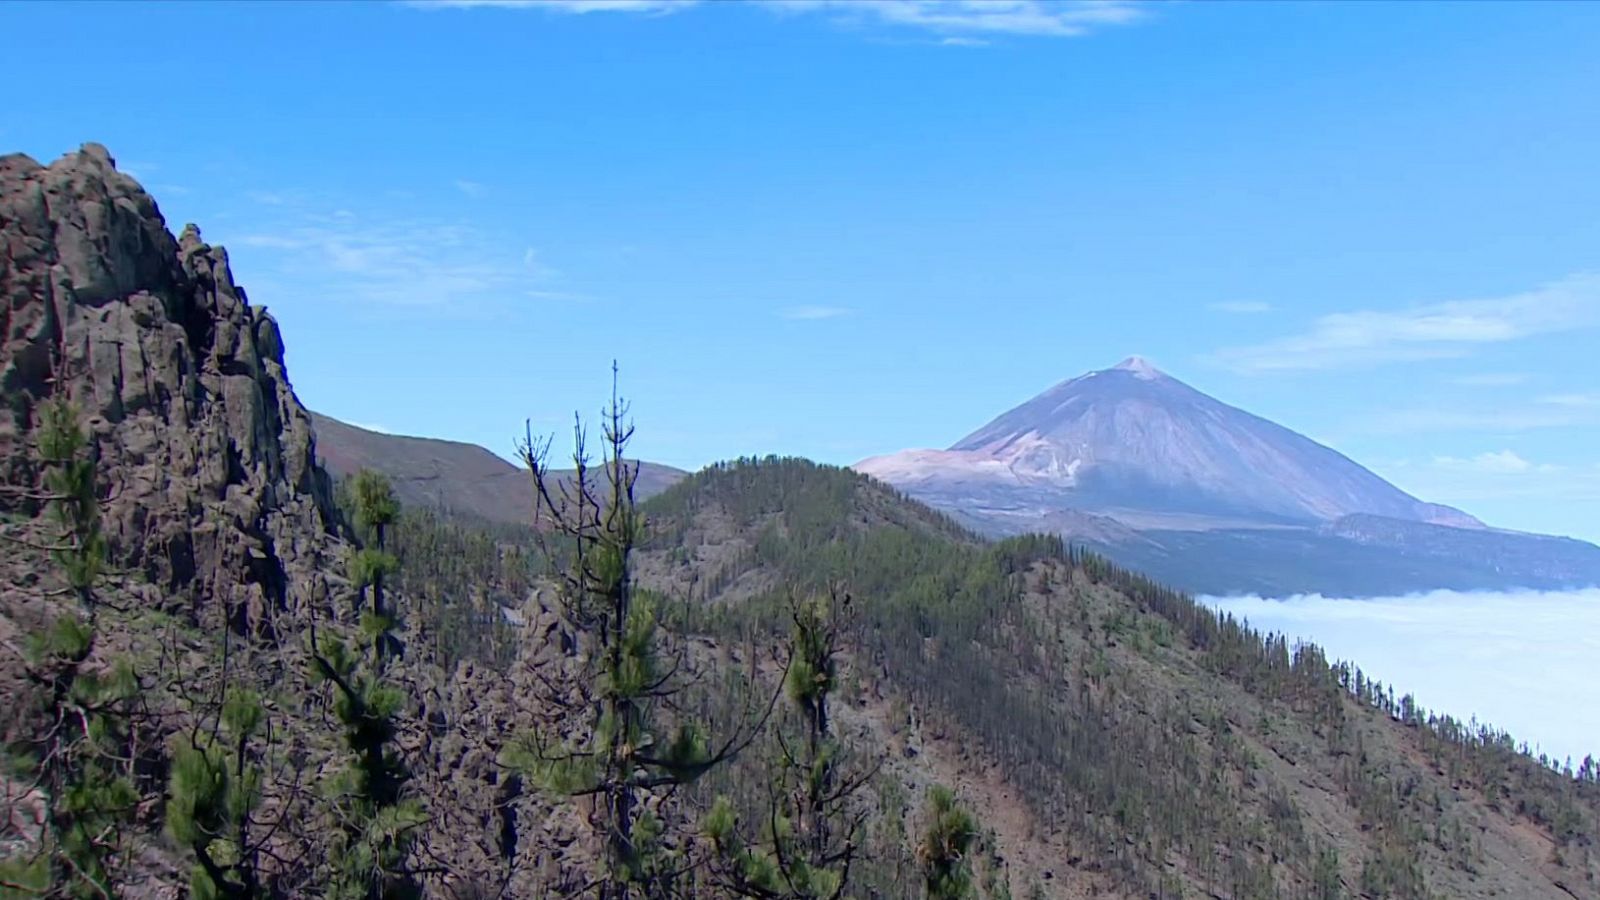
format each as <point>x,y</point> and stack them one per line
<point>838,230</point>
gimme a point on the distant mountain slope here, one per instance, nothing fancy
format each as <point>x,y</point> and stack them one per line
<point>450,475</point>
<point>1161,476</point>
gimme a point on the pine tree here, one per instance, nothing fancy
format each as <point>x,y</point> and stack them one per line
<point>617,754</point>
<point>375,510</point>
<point>812,833</point>
<point>377,816</point>
<point>79,757</point>
<point>214,795</point>
<point>947,842</point>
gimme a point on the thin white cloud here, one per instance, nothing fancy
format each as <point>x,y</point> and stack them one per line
<point>1499,420</point>
<point>367,426</point>
<point>1436,331</point>
<point>1572,401</point>
<point>1497,475</point>
<point>959,21</point>
<point>1241,307</point>
<point>1490,379</point>
<point>1499,462</point>
<point>579,7</point>
<point>533,262</point>
<point>567,296</point>
<point>470,188</point>
<point>1040,18</point>
<point>814,313</point>
<point>138,170</point>
<point>1519,660</point>
<point>392,262</point>
<point>268,198</point>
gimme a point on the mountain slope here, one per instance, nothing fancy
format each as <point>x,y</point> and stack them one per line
<point>1124,741</point>
<point>1156,473</point>
<point>448,475</point>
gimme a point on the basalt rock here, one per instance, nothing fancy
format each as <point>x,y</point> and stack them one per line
<point>215,496</point>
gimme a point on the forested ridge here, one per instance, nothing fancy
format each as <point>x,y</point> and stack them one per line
<point>1175,742</point>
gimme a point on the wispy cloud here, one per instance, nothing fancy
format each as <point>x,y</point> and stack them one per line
<point>1520,660</point>
<point>1497,475</point>
<point>565,296</point>
<point>958,21</point>
<point>1241,307</point>
<point>470,188</point>
<point>1040,18</point>
<point>658,7</point>
<point>813,313</point>
<point>393,262</point>
<point>1435,331</point>
<point>1499,462</point>
<point>368,426</point>
<point>1490,379</point>
<point>1498,420</point>
<point>268,198</point>
<point>1572,401</point>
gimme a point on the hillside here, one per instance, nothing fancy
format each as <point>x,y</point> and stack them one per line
<point>1162,477</point>
<point>1056,684</point>
<point>452,476</point>
<point>223,692</point>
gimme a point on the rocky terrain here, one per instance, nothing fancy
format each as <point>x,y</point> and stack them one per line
<point>215,497</point>
<point>1160,476</point>
<point>1115,739</point>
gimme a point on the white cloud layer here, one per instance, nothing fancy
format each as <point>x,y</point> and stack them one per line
<point>1435,331</point>
<point>1523,661</point>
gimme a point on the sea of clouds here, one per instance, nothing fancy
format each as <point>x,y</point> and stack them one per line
<point>1527,662</point>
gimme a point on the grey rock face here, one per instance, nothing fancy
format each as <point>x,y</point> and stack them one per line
<point>215,494</point>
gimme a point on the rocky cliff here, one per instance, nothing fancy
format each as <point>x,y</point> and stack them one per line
<point>210,459</point>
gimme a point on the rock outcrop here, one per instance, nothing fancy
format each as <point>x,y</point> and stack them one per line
<point>215,493</point>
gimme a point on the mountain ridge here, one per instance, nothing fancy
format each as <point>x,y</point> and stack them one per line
<point>454,476</point>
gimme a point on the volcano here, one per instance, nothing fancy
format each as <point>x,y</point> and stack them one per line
<point>1156,472</point>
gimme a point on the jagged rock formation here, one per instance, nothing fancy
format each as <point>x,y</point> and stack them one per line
<point>215,495</point>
